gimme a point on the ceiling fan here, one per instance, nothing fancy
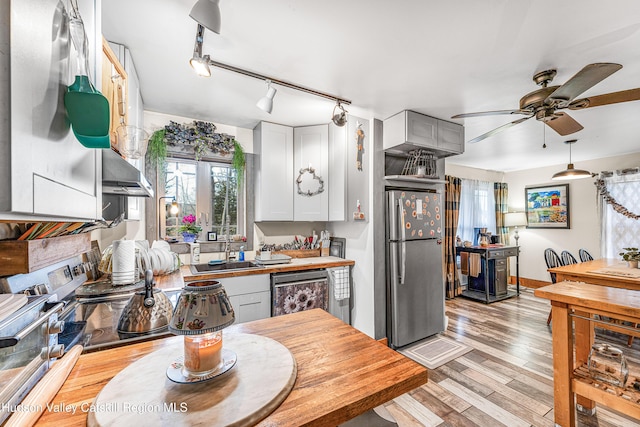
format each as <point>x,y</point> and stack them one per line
<point>543,104</point>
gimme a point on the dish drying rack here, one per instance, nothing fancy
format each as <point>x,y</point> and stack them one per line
<point>420,163</point>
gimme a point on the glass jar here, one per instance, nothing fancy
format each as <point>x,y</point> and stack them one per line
<point>608,364</point>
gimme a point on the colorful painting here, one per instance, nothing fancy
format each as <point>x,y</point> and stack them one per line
<point>547,206</point>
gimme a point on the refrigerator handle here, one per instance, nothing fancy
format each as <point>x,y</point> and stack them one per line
<point>403,264</point>
<point>403,245</point>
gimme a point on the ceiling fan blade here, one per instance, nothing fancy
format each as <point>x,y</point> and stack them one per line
<point>491,113</point>
<point>585,79</point>
<point>606,99</point>
<point>564,124</point>
<point>496,130</point>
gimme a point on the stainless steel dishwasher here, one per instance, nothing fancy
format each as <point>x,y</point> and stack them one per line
<point>297,291</point>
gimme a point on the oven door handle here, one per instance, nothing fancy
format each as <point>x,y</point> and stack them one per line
<point>14,340</point>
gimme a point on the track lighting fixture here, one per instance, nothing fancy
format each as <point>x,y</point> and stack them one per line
<point>207,14</point>
<point>570,172</point>
<point>266,102</point>
<point>339,118</point>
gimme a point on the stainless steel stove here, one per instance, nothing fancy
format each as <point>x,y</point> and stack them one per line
<point>98,307</point>
<point>62,309</point>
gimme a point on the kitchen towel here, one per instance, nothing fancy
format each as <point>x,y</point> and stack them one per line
<point>123,261</point>
<point>474,265</point>
<point>464,263</point>
<point>339,279</point>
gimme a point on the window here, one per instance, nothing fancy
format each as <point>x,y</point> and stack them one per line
<point>477,209</point>
<point>206,190</point>
<point>619,231</point>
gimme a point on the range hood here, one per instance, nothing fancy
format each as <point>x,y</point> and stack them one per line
<point>122,178</point>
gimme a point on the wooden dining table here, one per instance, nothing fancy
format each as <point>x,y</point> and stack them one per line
<point>341,372</point>
<point>614,273</point>
<point>577,309</point>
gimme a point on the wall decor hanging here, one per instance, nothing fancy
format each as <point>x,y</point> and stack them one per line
<point>308,176</point>
<point>547,206</point>
<point>359,146</point>
<point>198,138</point>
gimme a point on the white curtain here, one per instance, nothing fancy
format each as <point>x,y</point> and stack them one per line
<point>619,231</point>
<point>477,208</point>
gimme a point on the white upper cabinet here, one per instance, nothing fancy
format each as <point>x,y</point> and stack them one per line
<point>409,130</point>
<point>45,173</point>
<point>450,137</point>
<point>274,178</point>
<point>311,157</point>
<point>337,184</point>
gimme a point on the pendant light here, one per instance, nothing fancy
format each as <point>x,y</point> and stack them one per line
<point>570,172</point>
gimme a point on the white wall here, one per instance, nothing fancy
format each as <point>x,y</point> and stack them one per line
<point>585,224</point>
<point>359,242</point>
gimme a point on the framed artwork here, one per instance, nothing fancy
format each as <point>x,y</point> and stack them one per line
<point>547,206</point>
<point>212,236</point>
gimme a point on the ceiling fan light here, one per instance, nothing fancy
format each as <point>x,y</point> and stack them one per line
<point>207,14</point>
<point>201,65</point>
<point>266,102</point>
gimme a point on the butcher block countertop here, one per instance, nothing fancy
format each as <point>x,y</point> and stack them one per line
<point>296,264</point>
<point>341,372</point>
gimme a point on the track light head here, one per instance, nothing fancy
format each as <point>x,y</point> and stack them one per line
<point>207,13</point>
<point>201,65</point>
<point>266,102</point>
<point>339,118</point>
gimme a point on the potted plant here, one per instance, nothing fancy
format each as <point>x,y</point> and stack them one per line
<point>189,228</point>
<point>631,255</point>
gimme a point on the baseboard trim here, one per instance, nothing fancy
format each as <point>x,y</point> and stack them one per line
<point>529,283</point>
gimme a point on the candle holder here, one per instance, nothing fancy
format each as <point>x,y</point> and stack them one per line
<point>203,310</point>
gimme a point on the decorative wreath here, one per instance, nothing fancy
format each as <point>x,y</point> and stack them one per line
<point>310,193</point>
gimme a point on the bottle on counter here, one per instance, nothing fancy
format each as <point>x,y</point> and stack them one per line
<point>241,254</point>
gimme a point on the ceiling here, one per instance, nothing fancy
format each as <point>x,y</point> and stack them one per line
<point>439,58</point>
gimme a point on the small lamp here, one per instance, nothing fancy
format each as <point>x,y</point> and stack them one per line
<point>202,311</point>
<point>515,219</point>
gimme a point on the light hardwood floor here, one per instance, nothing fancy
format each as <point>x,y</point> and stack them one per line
<point>507,379</point>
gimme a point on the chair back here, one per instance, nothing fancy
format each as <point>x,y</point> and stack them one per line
<point>568,258</point>
<point>552,259</point>
<point>584,255</point>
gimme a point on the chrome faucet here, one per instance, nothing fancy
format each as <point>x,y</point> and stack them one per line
<point>227,247</point>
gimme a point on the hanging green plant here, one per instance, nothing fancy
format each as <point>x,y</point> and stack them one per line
<point>238,161</point>
<point>157,149</point>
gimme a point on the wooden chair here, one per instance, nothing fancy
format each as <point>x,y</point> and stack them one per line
<point>568,258</point>
<point>552,259</point>
<point>584,255</point>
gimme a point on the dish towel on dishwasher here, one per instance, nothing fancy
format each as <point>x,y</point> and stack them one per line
<point>339,280</point>
<point>474,264</point>
<point>464,263</point>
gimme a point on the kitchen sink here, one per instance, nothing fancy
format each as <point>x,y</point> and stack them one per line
<point>223,266</point>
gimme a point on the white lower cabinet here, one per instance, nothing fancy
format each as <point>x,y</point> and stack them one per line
<point>250,296</point>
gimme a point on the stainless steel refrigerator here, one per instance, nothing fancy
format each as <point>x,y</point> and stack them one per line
<point>415,286</point>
